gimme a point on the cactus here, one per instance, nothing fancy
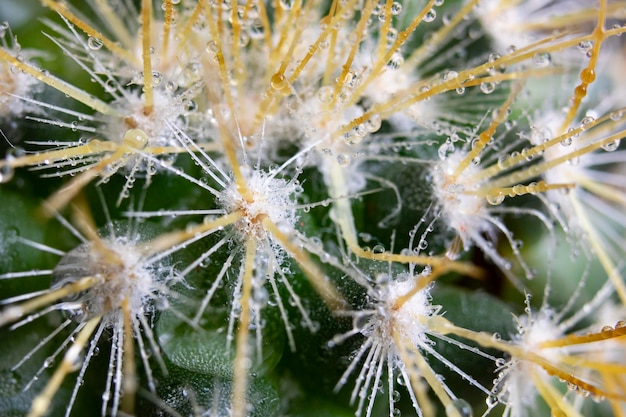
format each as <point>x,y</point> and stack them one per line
<point>303,207</point>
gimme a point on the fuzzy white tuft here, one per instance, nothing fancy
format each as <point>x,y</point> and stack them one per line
<point>463,211</point>
<point>269,197</point>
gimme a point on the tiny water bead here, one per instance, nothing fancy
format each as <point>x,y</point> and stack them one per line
<point>94,43</point>
<point>343,159</point>
<point>445,149</point>
<point>611,146</point>
<point>396,8</point>
<point>6,173</point>
<point>542,59</point>
<point>279,81</point>
<point>286,4</point>
<point>135,138</point>
<point>607,331</point>
<point>430,16</point>
<point>487,87</point>
<point>586,122</point>
<point>459,408</point>
<point>157,78</point>
<point>585,46</point>
<point>212,47</point>
<point>450,75</point>
<point>395,396</point>
<point>588,75</point>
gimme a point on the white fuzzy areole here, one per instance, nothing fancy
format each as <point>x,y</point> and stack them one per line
<point>167,108</point>
<point>539,329</point>
<point>507,22</point>
<point>14,85</point>
<point>121,272</point>
<point>407,318</point>
<point>519,390</point>
<point>270,196</point>
<point>462,211</point>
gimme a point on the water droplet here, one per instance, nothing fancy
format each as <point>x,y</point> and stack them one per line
<point>257,30</point>
<point>325,94</point>
<point>450,75</point>
<point>392,35</point>
<point>586,121</point>
<point>487,88</point>
<point>430,16</point>
<point>171,86</point>
<point>444,150</point>
<point>211,47</point>
<point>617,115</point>
<point>395,396</point>
<point>611,146</point>
<point>459,407</point>
<point>343,159</point>
<point>584,46</point>
<point>378,249</point>
<point>396,8</point>
<point>110,86</point>
<point>542,59</point>
<point>286,4</point>
<point>495,199</point>
<point>157,78</point>
<point>190,106</point>
<point>607,331</point>
<point>587,75</point>
<point>278,81</point>
<point>396,60</point>
<point>373,123</point>
<point>94,43</point>
<point>6,173</point>
<point>135,138</point>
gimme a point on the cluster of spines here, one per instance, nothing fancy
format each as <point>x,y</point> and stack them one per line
<point>198,106</point>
